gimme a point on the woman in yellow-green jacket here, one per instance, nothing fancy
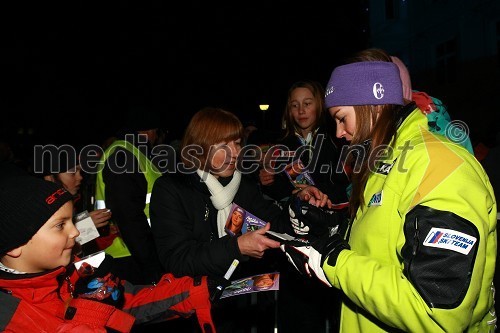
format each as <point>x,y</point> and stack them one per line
<point>420,251</point>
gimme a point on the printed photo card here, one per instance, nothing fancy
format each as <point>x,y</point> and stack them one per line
<point>252,284</point>
<point>298,174</point>
<point>240,221</point>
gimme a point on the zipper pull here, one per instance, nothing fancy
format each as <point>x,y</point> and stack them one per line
<point>415,237</point>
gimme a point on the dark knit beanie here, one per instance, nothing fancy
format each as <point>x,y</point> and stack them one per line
<point>26,203</point>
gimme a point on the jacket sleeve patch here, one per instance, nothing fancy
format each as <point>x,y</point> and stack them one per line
<point>450,240</point>
<point>439,254</point>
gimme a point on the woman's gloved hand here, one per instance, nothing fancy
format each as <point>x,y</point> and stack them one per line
<point>307,219</point>
<point>309,257</point>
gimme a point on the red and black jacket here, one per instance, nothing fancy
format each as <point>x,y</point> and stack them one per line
<point>62,301</point>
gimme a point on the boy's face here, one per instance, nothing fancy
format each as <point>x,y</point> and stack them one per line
<point>52,245</point>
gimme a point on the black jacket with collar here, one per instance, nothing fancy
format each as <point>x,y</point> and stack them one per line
<point>184,225</point>
<point>323,164</point>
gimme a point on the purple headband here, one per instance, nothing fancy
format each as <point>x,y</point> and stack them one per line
<point>364,83</point>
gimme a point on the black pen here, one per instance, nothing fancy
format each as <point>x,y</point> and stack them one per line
<point>227,276</point>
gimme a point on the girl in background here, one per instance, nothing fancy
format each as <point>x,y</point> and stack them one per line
<point>307,137</point>
<point>302,305</point>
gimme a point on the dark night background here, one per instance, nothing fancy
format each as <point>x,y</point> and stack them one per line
<point>78,66</point>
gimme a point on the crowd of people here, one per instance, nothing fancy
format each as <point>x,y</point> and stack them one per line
<point>391,227</point>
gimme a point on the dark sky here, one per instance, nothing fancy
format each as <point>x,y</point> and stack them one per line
<point>78,65</point>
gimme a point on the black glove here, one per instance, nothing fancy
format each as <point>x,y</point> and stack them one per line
<point>310,220</point>
<point>308,256</point>
<point>331,248</point>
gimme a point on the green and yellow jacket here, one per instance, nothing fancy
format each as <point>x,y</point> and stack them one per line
<point>424,244</point>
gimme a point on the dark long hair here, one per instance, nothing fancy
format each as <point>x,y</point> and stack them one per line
<point>370,142</point>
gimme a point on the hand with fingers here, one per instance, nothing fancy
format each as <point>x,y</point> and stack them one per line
<point>255,243</point>
<point>309,257</point>
<point>312,195</point>
<point>307,219</point>
<point>100,217</point>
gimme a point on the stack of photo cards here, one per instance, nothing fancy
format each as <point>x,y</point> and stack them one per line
<point>294,169</point>
<point>240,221</point>
<point>253,284</point>
<point>298,174</point>
<point>280,237</point>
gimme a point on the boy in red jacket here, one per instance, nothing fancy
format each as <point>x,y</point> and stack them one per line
<point>43,290</point>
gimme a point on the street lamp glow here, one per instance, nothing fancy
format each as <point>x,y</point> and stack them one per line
<point>263,107</point>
